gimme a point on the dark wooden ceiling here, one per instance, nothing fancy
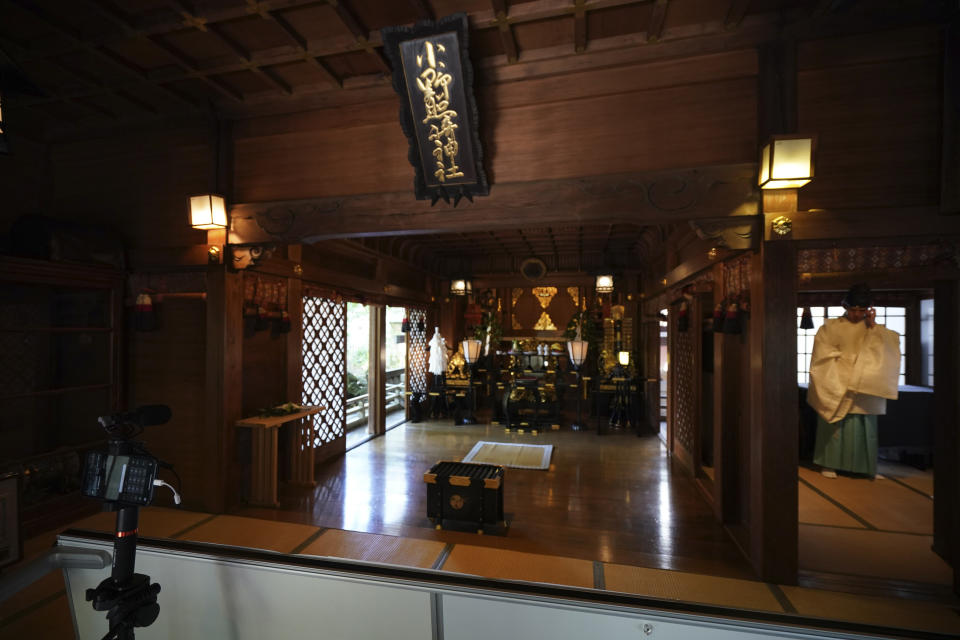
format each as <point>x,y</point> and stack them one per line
<point>104,61</point>
<point>101,63</point>
<point>568,249</point>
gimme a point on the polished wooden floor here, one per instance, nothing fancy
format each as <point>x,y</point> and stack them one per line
<point>612,498</point>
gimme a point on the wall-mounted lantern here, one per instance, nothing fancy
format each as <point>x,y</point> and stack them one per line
<point>786,162</point>
<point>208,211</point>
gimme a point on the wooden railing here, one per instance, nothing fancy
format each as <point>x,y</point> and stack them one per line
<point>358,407</point>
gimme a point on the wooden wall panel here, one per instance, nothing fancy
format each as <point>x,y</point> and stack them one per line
<point>24,181</point>
<point>686,126</point>
<point>139,182</point>
<point>869,48</point>
<point>620,79</point>
<point>874,102</point>
<point>264,371</point>
<point>323,161</point>
<point>680,113</point>
<point>168,366</point>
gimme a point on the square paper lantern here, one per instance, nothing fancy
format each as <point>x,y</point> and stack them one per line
<point>786,162</point>
<point>208,212</point>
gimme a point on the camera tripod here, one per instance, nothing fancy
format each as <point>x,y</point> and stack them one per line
<point>129,598</point>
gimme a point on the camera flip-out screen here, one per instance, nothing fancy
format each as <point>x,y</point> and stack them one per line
<point>127,479</point>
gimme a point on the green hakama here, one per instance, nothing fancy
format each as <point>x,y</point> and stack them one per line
<point>847,445</point>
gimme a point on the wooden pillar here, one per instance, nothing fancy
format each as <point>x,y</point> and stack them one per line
<point>914,348</point>
<point>224,362</point>
<point>950,154</point>
<point>295,336</point>
<point>649,330</point>
<point>774,414</point>
<point>946,478</point>
<point>724,403</point>
<point>378,369</point>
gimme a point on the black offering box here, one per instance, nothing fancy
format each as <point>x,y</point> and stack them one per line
<point>466,492</point>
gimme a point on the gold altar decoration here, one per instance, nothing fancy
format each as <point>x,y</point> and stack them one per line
<point>574,293</point>
<point>544,295</point>
<point>456,363</point>
<point>515,294</point>
<point>545,323</point>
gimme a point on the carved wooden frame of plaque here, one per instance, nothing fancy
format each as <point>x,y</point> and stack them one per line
<point>393,39</point>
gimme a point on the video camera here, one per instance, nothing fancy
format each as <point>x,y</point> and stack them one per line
<point>124,478</point>
<point>126,474</point>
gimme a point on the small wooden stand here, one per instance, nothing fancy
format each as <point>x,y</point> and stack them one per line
<point>263,455</point>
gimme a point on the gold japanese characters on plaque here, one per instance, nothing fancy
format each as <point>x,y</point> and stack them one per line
<point>433,76</point>
<point>434,83</point>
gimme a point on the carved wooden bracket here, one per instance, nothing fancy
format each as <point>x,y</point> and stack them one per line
<point>734,232</point>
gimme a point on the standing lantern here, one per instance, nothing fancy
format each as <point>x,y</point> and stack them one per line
<point>604,283</point>
<point>577,350</point>
<point>471,353</point>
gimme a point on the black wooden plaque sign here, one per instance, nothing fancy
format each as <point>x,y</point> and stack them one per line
<point>438,112</point>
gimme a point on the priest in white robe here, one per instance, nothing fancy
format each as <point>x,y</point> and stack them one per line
<point>854,369</point>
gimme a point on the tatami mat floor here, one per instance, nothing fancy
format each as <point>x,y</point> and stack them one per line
<point>42,609</point>
<point>880,528</point>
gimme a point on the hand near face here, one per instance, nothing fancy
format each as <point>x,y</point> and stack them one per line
<point>870,317</point>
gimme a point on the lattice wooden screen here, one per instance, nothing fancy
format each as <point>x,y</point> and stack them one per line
<point>417,351</point>
<point>683,363</point>
<point>325,365</point>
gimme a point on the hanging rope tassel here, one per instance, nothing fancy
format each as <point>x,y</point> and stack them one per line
<point>718,318</point>
<point>145,318</point>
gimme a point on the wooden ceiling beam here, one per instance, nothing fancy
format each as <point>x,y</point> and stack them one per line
<point>501,12</point>
<point>247,57</point>
<point>580,248</point>
<point>579,26</point>
<point>526,241</point>
<point>553,241</point>
<point>89,78</point>
<point>302,45</point>
<point>333,46</point>
<point>142,78</point>
<point>537,10</point>
<point>353,24</point>
<point>143,104</point>
<point>503,247</point>
<point>192,71</point>
<point>735,14</point>
<point>91,47</point>
<point>96,108</point>
<point>521,13</point>
<point>714,191</point>
<point>423,9</point>
<point>657,20</point>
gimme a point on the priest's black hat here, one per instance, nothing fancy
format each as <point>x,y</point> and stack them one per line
<point>859,295</point>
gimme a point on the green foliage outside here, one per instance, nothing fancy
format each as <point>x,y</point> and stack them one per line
<point>358,345</point>
<point>355,386</point>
